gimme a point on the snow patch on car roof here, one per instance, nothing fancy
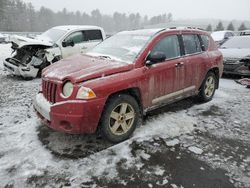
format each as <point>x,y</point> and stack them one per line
<point>147,32</point>
<point>76,27</point>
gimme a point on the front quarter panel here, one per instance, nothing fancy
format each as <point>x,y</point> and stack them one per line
<point>106,86</point>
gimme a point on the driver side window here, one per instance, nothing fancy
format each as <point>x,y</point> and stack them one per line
<point>76,37</point>
<point>169,46</point>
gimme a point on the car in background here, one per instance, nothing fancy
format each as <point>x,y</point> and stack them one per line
<point>32,55</point>
<point>245,32</point>
<point>126,76</point>
<point>3,38</point>
<point>236,52</point>
<point>222,36</point>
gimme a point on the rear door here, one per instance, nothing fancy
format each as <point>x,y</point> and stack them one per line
<point>93,37</point>
<point>194,63</point>
<point>164,76</point>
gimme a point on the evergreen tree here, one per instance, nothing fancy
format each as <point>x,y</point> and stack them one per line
<point>3,4</point>
<point>242,27</point>
<point>230,27</point>
<point>219,27</point>
<point>15,15</point>
<point>209,28</point>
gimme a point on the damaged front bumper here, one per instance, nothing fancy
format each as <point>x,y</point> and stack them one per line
<point>13,66</point>
<point>239,68</point>
<point>72,117</point>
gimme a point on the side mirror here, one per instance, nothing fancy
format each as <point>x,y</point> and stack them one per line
<point>156,57</point>
<point>68,43</point>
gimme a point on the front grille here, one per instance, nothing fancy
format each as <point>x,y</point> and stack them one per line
<point>49,90</point>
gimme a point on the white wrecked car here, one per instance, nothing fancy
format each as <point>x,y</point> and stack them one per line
<point>30,56</point>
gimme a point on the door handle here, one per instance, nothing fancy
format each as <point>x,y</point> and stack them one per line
<point>178,65</point>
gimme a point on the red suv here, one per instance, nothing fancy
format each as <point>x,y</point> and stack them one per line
<point>124,77</point>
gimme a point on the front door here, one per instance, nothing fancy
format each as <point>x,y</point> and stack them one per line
<point>78,39</point>
<point>163,77</point>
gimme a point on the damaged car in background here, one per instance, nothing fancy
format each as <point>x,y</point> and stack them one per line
<point>31,55</point>
<point>222,36</point>
<point>236,52</point>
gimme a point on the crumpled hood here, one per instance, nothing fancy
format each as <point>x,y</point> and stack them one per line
<point>25,41</point>
<point>235,53</point>
<point>80,68</point>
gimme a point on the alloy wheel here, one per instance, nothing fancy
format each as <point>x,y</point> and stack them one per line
<point>121,119</point>
<point>209,86</point>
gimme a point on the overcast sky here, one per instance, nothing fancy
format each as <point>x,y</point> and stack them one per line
<point>221,9</point>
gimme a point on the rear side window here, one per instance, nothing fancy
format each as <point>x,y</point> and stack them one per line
<point>168,45</point>
<point>93,35</point>
<point>191,44</point>
<point>205,42</point>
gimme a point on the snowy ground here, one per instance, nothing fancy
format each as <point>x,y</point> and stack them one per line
<point>183,145</point>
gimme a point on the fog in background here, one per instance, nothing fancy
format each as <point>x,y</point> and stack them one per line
<point>181,9</point>
<point>118,15</point>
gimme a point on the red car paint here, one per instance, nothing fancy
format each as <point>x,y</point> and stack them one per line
<point>106,77</point>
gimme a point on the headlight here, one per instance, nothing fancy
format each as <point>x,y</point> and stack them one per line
<point>85,93</point>
<point>67,89</point>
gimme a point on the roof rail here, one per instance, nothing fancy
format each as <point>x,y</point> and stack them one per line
<point>186,27</point>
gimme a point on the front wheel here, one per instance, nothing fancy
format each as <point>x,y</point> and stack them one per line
<point>208,87</point>
<point>120,118</point>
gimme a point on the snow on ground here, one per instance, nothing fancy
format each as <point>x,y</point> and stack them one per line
<point>5,51</point>
<point>180,145</point>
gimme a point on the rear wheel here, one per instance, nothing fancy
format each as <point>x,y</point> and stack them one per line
<point>208,87</point>
<point>120,118</point>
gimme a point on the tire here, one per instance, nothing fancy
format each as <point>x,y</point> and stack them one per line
<point>120,117</point>
<point>208,87</point>
<point>44,65</point>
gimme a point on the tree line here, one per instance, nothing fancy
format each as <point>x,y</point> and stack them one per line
<point>16,15</point>
<point>231,27</point>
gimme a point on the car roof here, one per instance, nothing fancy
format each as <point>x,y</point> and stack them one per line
<point>76,27</point>
<point>147,32</point>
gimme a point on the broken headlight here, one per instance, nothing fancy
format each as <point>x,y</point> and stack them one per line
<point>36,62</point>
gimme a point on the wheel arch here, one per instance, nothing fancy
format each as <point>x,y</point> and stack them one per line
<point>134,92</point>
<point>216,71</point>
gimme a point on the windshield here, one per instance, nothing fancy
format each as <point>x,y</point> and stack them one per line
<point>54,34</point>
<point>122,47</point>
<point>237,42</point>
